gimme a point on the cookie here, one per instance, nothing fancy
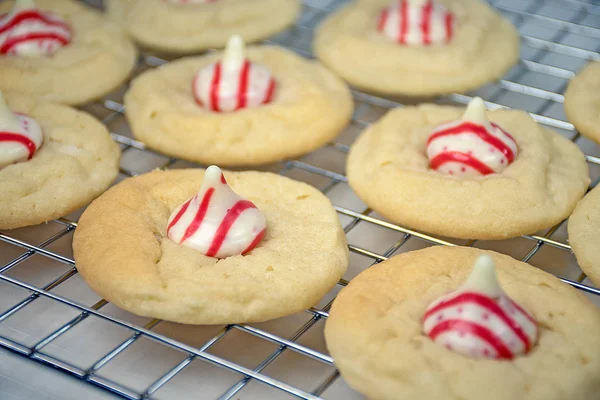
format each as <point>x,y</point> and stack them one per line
<point>75,163</point>
<point>389,169</point>
<point>174,27</point>
<point>584,234</point>
<point>417,48</point>
<point>375,333</point>
<point>582,101</point>
<point>91,56</point>
<point>308,108</point>
<point>122,251</point>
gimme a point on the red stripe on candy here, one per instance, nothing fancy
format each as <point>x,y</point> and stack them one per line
<point>383,17</point>
<point>448,21</point>
<point>223,179</point>
<point>214,87</point>
<point>270,92</point>
<point>469,127</point>
<point>243,85</point>
<point>31,15</point>
<point>426,22</point>
<point>255,242</point>
<point>403,21</point>
<point>16,40</point>
<point>489,305</point>
<point>182,211</point>
<point>477,330</point>
<point>230,218</point>
<point>199,217</point>
<point>525,313</point>
<point>462,158</point>
<point>21,139</point>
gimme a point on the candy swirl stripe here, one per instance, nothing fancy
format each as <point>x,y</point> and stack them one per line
<point>255,242</point>
<point>28,16</point>
<point>489,305</point>
<point>481,131</point>
<point>232,215</point>
<point>199,217</point>
<point>403,21</point>
<point>462,158</point>
<point>214,88</point>
<point>426,22</point>
<point>468,327</point>
<point>18,138</point>
<point>16,40</point>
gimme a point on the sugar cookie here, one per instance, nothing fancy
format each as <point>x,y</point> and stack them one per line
<point>582,101</point>
<point>584,234</point>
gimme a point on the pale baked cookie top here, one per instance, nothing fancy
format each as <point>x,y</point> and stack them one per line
<point>388,168</point>
<point>187,28</point>
<point>99,58</point>
<point>584,234</point>
<point>76,162</point>
<point>483,47</point>
<point>309,108</point>
<point>121,249</point>
<point>582,101</point>
<point>374,333</point>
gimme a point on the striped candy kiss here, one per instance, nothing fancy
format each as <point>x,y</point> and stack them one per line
<point>20,136</point>
<point>233,82</point>
<point>26,31</point>
<point>480,320</point>
<point>217,221</point>
<point>472,146</point>
<point>417,22</point>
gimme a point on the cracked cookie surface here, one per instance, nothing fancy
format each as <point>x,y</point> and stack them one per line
<point>374,333</point>
<point>122,251</point>
<point>76,162</point>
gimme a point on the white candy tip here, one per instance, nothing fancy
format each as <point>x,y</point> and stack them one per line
<point>476,111</point>
<point>483,277</point>
<point>212,174</point>
<point>234,52</point>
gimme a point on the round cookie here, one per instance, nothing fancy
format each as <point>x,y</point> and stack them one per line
<point>309,108</point>
<point>76,162</point>
<point>388,168</point>
<point>188,28</point>
<point>582,101</point>
<point>483,48</point>
<point>122,251</point>
<point>98,59</point>
<point>584,234</point>
<point>374,333</point>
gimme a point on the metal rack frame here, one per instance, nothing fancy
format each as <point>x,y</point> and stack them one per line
<point>534,60</point>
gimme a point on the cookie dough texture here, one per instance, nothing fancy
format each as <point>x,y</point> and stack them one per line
<point>582,101</point>
<point>374,333</point>
<point>188,28</point>
<point>98,59</point>
<point>310,107</point>
<point>76,162</point>
<point>389,170</point>
<point>485,45</point>
<point>584,234</point>
<point>122,251</point>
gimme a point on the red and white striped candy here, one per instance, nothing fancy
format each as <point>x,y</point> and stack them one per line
<point>20,136</point>
<point>27,31</point>
<point>233,82</point>
<point>217,221</point>
<point>472,146</point>
<point>480,320</point>
<point>417,22</point>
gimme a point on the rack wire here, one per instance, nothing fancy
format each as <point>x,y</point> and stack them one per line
<point>49,315</point>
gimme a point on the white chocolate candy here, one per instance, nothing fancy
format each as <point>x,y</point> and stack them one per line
<point>472,146</point>
<point>480,320</point>
<point>20,136</point>
<point>217,221</point>
<point>417,22</point>
<point>233,82</point>
<point>27,31</point>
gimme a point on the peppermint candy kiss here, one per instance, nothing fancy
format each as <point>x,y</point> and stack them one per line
<point>20,136</point>
<point>472,146</point>
<point>480,320</point>
<point>233,82</point>
<point>417,22</point>
<point>27,31</point>
<point>217,221</point>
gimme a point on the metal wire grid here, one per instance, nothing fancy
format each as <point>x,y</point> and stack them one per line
<point>550,56</point>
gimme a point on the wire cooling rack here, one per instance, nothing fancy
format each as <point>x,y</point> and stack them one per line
<point>49,315</point>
